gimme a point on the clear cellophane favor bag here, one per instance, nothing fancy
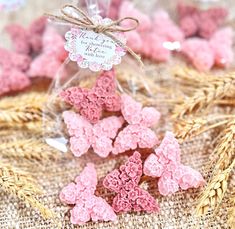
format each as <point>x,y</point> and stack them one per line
<point>126,73</point>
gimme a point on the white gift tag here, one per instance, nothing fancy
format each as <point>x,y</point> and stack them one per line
<point>10,5</point>
<point>95,51</point>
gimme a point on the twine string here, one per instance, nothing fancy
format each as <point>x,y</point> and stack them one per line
<point>77,17</point>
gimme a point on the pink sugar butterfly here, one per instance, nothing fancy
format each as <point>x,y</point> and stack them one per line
<point>29,40</point>
<point>152,34</point>
<point>137,133</point>
<point>194,21</point>
<point>165,164</point>
<point>81,194</point>
<point>124,181</point>
<point>83,134</point>
<point>52,57</point>
<point>91,102</point>
<point>13,67</point>
<point>204,54</point>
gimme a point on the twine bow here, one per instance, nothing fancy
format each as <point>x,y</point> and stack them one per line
<point>75,16</point>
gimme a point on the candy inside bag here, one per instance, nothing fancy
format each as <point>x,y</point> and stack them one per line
<point>93,87</point>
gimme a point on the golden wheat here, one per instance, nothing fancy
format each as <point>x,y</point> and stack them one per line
<point>190,76</point>
<point>24,187</point>
<point>33,99</point>
<point>204,97</point>
<point>193,126</point>
<point>213,194</point>
<point>225,149</point>
<point>31,149</point>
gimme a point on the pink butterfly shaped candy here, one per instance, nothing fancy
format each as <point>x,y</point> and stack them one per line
<point>128,9</point>
<point>53,55</point>
<point>83,134</point>
<point>205,54</point>
<point>27,41</point>
<point>165,164</point>
<point>12,71</point>
<point>124,181</point>
<point>150,36</point>
<point>81,194</point>
<point>137,133</point>
<point>91,102</point>
<point>199,53</point>
<point>165,27</point>
<point>222,46</point>
<point>204,23</point>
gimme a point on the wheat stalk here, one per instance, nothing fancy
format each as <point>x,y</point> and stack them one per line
<point>213,194</point>
<point>12,116</point>
<point>187,128</point>
<point>225,149</point>
<point>191,77</point>
<point>34,99</point>
<point>31,149</point>
<point>204,97</point>
<point>24,187</point>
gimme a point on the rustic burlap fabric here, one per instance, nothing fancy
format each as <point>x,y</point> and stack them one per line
<point>177,211</point>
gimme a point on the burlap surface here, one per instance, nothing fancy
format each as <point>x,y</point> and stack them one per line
<point>177,211</point>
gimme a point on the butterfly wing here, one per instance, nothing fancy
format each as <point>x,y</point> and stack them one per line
<point>190,178</point>
<point>80,132</point>
<point>36,31</point>
<point>131,110</point>
<point>169,149</point>
<point>53,44</point>
<point>48,63</point>
<point>104,131</point>
<point>20,38</point>
<point>167,184</point>
<point>121,203</point>
<point>105,89</point>
<point>80,214</point>
<point>221,43</point>
<point>134,136</point>
<point>101,210</point>
<point>87,180</point>
<point>144,202</point>
<point>153,166</point>
<point>45,66</point>
<point>199,53</point>
<point>127,9</point>
<point>68,194</point>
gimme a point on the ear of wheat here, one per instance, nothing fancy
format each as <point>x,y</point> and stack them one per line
<point>225,149</point>
<point>24,187</point>
<point>213,194</point>
<point>31,149</point>
<point>191,77</point>
<point>33,99</point>
<point>204,97</point>
<point>193,126</point>
<point>12,116</point>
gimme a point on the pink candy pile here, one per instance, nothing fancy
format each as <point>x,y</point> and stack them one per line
<point>126,130</point>
<point>129,131</point>
<point>13,68</point>
<point>150,36</point>
<point>208,44</point>
<point>38,52</point>
<point>202,23</point>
